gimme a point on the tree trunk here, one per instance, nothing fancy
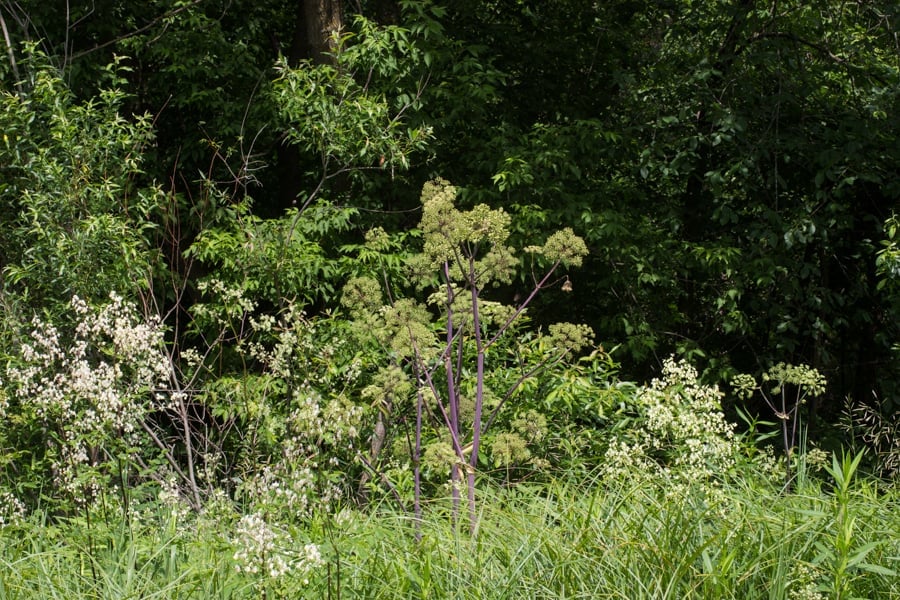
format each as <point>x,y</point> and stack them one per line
<point>315,25</point>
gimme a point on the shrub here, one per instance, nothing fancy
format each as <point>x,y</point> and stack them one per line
<point>80,396</point>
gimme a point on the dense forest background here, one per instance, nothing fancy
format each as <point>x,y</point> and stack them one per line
<point>482,299</point>
<point>730,166</point>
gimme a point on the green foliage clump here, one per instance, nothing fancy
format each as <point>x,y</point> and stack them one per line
<point>74,218</point>
<point>285,393</point>
<point>278,258</point>
<point>347,122</point>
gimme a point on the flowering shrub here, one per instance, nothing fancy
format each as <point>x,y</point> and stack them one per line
<point>86,391</point>
<point>282,390</point>
<point>674,425</point>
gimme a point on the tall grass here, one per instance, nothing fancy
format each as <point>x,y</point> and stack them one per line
<point>837,536</point>
<point>113,559</point>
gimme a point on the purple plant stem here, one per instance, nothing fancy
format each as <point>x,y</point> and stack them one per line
<point>453,398</point>
<point>479,397</point>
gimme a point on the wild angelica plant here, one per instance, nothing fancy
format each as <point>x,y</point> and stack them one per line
<point>784,389</point>
<point>464,253</point>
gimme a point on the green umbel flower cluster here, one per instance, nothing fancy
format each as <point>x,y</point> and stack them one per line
<point>804,377</point>
<point>566,247</point>
<point>571,336</point>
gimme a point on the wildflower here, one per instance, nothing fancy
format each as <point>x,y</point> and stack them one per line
<point>803,584</point>
<point>682,425</point>
<point>263,550</point>
<point>817,458</point>
<point>508,449</point>
<point>256,546</point>
<point>12,509</point>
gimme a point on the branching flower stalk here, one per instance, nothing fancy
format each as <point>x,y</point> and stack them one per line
<point>468,251</point>
<point>775,389</point>
<point>453,398</point>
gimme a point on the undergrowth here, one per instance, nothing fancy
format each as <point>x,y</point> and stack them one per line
<point>835,536</point>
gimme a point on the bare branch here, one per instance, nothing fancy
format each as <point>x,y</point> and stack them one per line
<point>11,52</point>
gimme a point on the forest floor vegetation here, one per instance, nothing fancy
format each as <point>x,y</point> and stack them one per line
<point>836,535</point>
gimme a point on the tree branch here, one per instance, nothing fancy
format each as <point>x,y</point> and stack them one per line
<point>12,54</point>
<point>136,32</point>
<point>814,46</point>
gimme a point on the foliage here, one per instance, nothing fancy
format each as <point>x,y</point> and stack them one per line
<point>74,221</point>
<point>269,404</point>
<point>730,167</point>
<point>274,260</point>
<point>350,114</point>
<point>225,390</point>
<point>874,428</point>
<point>332,110</point>
<point>844,558</point>
<point>568,538</point>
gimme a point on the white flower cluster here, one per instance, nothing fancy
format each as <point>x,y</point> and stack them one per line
<point>278,487</point>
<point>315,421</point>
<point>94,381</point>
<point>232,306</point>
<point>11,509</point>
<point>682,425</point>
<point>279,358</point>
<point>298,350</point>
<point>625,460</point>
<point>686,416</point>
<point>817,459</point>
<point>257,550</point>
<point>309,558</point>
<point>94,384</point>
<point>804,585</point>
<point>4,403</point>
<point>264,550</point>
<point>170,496</point>
<point>72,472</point>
